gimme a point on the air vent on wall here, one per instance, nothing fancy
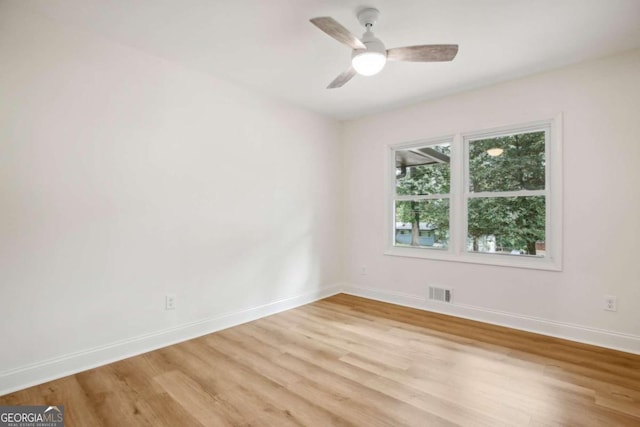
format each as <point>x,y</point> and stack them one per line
<point>439,294</point>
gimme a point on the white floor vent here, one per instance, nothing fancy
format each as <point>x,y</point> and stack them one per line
<point>440,294</point>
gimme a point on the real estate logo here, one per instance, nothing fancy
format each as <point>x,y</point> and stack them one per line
<point>32,416</point>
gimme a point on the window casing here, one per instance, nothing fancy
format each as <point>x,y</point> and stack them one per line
<point>503,209</point>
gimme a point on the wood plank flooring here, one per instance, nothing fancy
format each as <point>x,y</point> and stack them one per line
<point>348,361</point>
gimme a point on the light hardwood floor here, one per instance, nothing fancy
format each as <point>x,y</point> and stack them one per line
<point>351,361</point>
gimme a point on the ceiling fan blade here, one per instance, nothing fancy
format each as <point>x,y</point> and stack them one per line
<point>423,53</point>
<point>342,78</point>
<point>337,31</point>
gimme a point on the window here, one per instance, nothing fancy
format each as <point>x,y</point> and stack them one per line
<point>421,202</point>
<point>490,197</point>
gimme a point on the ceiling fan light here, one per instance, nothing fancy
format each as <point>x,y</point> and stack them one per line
<point>368,63</point>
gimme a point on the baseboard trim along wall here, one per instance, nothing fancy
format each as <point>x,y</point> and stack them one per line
<point>48,370</point>
<point>599,337</point>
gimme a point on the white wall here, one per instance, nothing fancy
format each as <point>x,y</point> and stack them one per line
<point>600,103</point>
<point>124,176</point>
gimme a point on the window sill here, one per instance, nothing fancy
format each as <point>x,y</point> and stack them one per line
<point>506,260</point>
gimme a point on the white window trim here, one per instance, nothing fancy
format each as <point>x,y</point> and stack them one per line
<point>456,252</point>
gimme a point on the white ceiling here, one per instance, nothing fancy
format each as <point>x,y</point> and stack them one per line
<point>270,46</point>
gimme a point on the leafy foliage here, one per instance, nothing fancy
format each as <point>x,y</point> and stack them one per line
<point>516,222</point>
<point>520,167</point>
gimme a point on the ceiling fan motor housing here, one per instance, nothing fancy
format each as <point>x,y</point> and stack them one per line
<point>373,43</point>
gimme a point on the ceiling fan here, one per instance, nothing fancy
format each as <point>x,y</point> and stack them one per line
<point>370,55</point>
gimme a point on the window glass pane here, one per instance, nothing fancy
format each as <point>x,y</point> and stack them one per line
<point>423,170</point>
<point>507,225</point>
<point>422,223</point>
<point>507,163</point>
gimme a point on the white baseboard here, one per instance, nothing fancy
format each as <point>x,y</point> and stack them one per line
<point>599,337</point>
<point>47,370</point>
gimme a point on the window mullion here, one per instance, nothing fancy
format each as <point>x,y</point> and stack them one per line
<point>520,193</point>
<point>457,214</point>
<point>421,197</point>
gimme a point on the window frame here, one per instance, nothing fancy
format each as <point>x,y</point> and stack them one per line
<point>400,198</point>
<point>459,197</point>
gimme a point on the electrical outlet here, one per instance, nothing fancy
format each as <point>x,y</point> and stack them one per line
<point>170,302</point>
<point>611,303</point>
<point>363,270</point>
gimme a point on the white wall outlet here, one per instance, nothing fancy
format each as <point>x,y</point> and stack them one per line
<point>170,302</point>
<point>611,303</point>
<point>363,270</point>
